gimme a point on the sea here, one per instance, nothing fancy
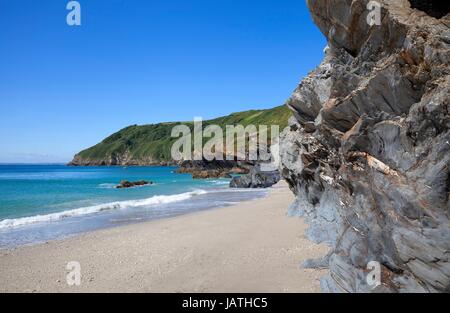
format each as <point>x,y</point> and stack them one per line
<point>39,203</point>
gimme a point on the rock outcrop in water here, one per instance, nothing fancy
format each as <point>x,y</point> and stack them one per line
<point>368,152</point>
<point>129,184</point>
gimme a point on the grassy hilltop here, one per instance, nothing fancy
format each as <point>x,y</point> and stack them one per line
<point>150,144</point>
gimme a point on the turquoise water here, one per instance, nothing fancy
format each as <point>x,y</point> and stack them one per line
<point>45,202</point>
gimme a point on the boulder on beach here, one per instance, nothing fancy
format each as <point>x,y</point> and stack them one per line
<point>256,179</point>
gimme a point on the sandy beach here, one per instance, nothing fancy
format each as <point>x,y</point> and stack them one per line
<point>249,247</point>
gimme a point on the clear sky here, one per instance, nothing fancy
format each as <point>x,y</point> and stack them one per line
<point>64,88</point>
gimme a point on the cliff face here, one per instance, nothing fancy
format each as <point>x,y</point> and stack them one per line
<point>368,152</point>
<point>119,159</point>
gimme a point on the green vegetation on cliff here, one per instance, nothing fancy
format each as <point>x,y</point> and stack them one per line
<point>150,144</point>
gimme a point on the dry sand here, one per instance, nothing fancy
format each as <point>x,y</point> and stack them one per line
<point>249,247</point>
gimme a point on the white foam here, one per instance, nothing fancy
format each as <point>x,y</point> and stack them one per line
<point>7,223</point>
<point>107,186</point>
<point>219,182</point>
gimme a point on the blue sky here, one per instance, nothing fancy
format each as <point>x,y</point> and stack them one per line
<point>63,88</point>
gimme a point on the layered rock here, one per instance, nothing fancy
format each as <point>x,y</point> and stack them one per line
<point>192,166</point>
<point>205,174</point>
<point>202,169</point>
<point>119,159</point>
<point>368,152</point>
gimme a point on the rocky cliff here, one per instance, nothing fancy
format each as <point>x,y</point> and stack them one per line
<point>368,152</point>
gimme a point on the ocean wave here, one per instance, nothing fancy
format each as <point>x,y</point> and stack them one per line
<point>107,186</point>
<point>219,182</point>
<point>155,200</point>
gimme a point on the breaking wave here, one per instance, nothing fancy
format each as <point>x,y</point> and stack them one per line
<point>155,200</point>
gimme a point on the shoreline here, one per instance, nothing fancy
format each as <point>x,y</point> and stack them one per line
<point>248,247</point>
<point>43,228</point>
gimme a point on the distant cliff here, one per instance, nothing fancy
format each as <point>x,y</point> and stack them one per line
<point>151,144</point>
<point>368,153</point>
